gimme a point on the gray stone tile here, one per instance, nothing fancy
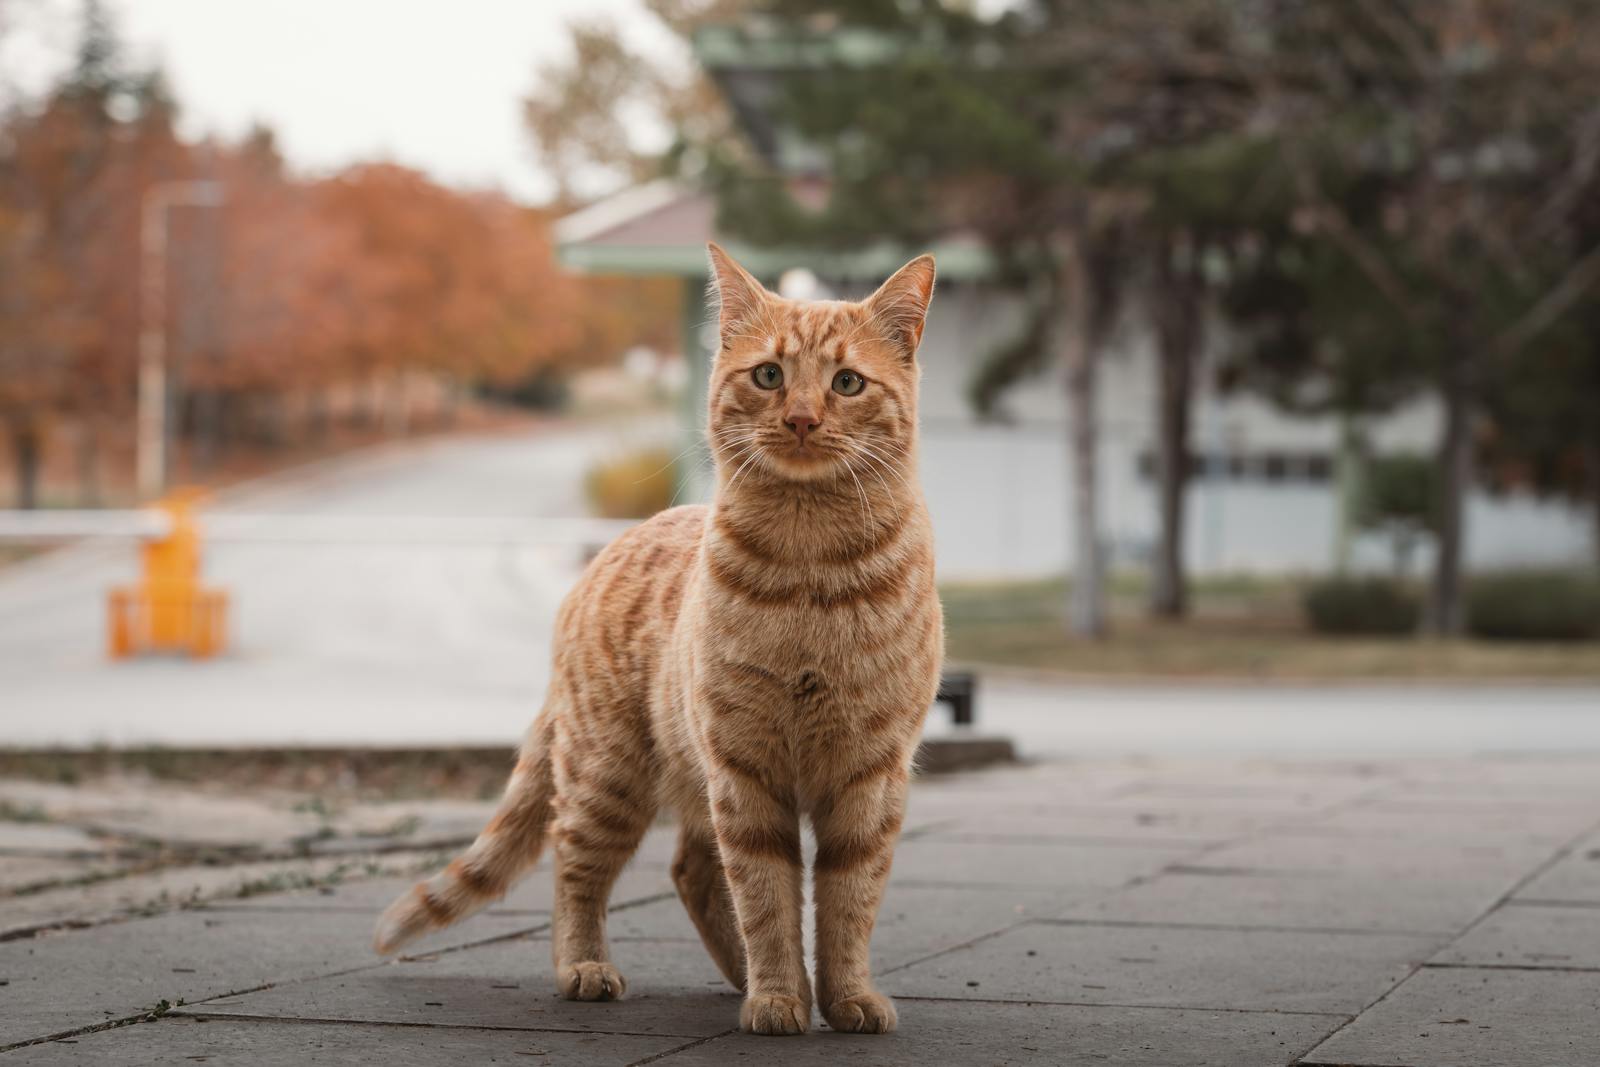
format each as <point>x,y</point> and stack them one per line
<point>167,888</point>
<point>257,1043</point>
<point>1057,865</point>
<point>1276,795</point>
<point>1014,1035</point>
<point>1574,878</point>
<point>1527,771</point>
<point>1210,819</point>
<point>913,921</point>
<point>673,988</point>
<point>47,839</point>
<point>1312,900</point>
<point>1170,966</point>
<point>1447,821</point>
<point>1378,854</point>
<point>17,872</point>
<point>79,978</point>
<point>1531,936</point>
<point>1464,1017</point>
<point>1084,824</point>
<point>918,921</point>
<point>143,810</point>
<point>534,894</point>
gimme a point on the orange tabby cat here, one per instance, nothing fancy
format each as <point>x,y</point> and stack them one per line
<point>770,656</point>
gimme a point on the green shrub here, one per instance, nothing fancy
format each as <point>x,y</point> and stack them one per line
<point>1362,606</point>
<point>634,486</point>
<point>1534,606</point>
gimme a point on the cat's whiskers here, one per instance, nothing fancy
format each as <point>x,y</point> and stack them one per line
<point>755,454</point>
<point>872,468</point>
<point>866,508</point>
<point>879,461</point>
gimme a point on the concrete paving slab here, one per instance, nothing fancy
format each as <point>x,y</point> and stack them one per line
<point>1464,1017</point>
<point>74,979</point>
<point>917,921</point>
<point>22,872</point>
<point>1063,866</point>
<point>257,1043</point>
<point>1170,966</point>
<point>141,810</point>
<point>1445,821</point>
<point>1337,854</point>
<point>913,921</point>
<point>1399,903</point>
<point>47,839</point>
<point>1531,935</point>
<point>1013,1035</point>
<point>1280,795</point>
<point>673,988</point>
<point>1085,823</point>
<point>1573,879</point>
<point>534,894</point>
<point>1509,770</point>
<point>171,887</point>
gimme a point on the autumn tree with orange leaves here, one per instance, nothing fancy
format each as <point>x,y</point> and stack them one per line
<point>292,302</point>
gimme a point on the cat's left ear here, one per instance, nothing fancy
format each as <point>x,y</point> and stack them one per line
<point>900,306</point>
<point>740,298</point>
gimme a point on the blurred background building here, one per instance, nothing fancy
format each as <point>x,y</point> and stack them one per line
<point>1264,484</point>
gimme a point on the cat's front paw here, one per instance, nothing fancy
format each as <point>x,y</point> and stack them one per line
<point>774,1013</point>
<point>864,1013</point>
<point>591,980</point>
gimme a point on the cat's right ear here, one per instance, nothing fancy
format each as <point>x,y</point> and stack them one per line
<point>740,298</point>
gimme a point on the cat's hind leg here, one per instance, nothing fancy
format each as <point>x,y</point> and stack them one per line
<point>605,800</point>
<point>697,872</point>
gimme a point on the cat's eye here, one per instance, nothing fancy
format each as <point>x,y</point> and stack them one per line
<point>768,375</point>
<point>848,383</point>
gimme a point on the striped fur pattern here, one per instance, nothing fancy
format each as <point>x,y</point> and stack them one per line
<point>746,665</point>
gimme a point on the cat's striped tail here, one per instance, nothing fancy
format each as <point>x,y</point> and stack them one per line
<point>506,848</point>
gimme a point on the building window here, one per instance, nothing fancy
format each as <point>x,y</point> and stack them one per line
<point>1312,468</point>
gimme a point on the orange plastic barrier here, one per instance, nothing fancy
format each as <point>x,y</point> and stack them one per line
<point>169,610</point>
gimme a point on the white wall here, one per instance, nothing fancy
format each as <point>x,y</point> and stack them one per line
<point>999,492</point>
<point>999,498</point>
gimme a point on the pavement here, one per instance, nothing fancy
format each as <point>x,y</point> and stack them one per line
<point>1160,911</point>
<point>390,642</point>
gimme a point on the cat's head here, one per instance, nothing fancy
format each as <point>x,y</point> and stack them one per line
<point>810,390</point>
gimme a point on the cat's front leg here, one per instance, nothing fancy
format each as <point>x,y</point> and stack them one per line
<point>856,828</point>
<point>758,836</point>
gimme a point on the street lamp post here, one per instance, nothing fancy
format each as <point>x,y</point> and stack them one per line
<point>159,199</point>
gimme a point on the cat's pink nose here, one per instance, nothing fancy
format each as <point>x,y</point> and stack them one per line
<point>802,423</point>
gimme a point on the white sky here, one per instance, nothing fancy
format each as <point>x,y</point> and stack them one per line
<point>435,84</point>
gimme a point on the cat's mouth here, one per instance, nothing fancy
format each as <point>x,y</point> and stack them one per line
<point>802,459</point>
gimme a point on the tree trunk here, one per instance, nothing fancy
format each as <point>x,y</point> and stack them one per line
<point>1086,601</point>
<point>207,430</point>
<point>1594,491</point>
<point>1351,476</point>
<point>25,458</point>
<point>452,390</point>
<point>88,462</point>
<point>1448,615</point>
<point>397,414</point>
<point>1178,328</point>
<point>317,414</point>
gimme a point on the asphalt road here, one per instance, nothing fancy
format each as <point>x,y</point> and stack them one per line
<point>397,643</point>
<point>337,642</point>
